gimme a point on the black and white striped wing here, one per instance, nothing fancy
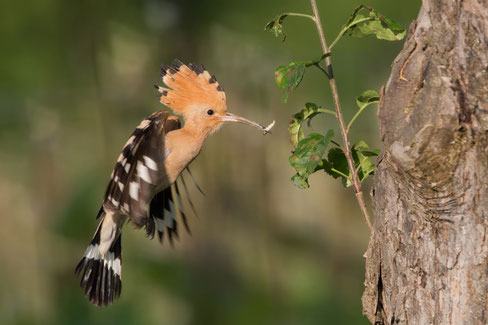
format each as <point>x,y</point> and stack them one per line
<point>165,208</point>
<point>139,169</point>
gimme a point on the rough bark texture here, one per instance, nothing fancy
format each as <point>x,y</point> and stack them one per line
<point>427,261</point>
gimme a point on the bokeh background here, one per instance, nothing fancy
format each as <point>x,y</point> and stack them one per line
<point>77,77</point>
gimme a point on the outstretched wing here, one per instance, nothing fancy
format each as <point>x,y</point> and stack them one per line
<point>166,207</point>
<point>140,168</point>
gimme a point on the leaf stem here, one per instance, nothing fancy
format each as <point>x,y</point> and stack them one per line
<point>299,15</point>
<point>355,116</point>
<point>340,173</point>
<point>328,111</point>
<point>337,144</point>
<point>347,149</point>
<point>323,70</point>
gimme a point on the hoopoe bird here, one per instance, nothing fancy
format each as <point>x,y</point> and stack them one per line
<point>142,186</point>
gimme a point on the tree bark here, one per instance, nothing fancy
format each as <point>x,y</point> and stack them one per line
<point>427,260</point>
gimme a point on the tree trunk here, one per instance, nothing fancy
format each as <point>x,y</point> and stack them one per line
<point>427,260</point>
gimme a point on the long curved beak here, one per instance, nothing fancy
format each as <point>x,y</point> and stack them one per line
<point>234,118</point>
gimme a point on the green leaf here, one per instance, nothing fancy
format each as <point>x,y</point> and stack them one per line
<point>365,21</point>
<point>309,153</point>
<point>275,26</point>
<point>307,158</point>
<point>367,97</point>
<point>360,145</point>
<point>336,163</point>
<point>336,166</point>
<point>362,155</point>
<point>306,114</point>
<point>300,182</point>
<point>288,77</point>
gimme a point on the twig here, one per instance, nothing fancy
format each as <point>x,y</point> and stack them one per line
<point>347,149</point>
<point>299,15</point>
<point>355,116</point>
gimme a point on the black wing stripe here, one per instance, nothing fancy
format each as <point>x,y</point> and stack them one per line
<point>156,209</point>
<point>195,182</point>
<point>136,172</point>
<point>164,209</point>
<point>188,194</point>
<point>180,207</point>
<point>169,215</point>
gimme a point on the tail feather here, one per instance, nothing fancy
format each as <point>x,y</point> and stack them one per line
<point>101,276</point>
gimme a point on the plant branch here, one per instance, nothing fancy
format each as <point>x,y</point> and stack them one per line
<point>347,149</point>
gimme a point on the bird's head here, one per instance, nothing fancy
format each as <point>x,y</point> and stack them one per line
<point>196,95</point>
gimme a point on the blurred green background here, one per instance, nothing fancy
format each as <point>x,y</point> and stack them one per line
<point>77,77</point>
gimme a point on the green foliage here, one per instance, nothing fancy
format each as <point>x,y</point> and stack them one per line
<point>367,97</point>
<point>365,21</point>
<point>306,114</point>
<point>310,151</point>
<point>275,26</point>
<point>363,156</point>
<point>307,158</point>
<point>288,77</point>
<point>336,163</point>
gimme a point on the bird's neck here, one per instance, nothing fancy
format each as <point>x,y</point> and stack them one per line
<point>196,131</point>
<point>189,141</point>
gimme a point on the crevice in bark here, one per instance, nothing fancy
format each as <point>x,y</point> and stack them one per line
<point>380,313</point>
<point>465,111</point>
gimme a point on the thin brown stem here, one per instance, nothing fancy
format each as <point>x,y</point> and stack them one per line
<point>347,148</point>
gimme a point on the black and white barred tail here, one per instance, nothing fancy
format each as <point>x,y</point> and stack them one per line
<point>101,265</point>
<point>101,274</point>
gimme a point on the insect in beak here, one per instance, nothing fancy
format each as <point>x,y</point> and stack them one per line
<point>228,117</point>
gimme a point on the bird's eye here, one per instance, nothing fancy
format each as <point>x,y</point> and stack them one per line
<point>210,112</point>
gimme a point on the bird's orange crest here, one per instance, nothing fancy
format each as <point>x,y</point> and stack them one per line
<point>190,85</point>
